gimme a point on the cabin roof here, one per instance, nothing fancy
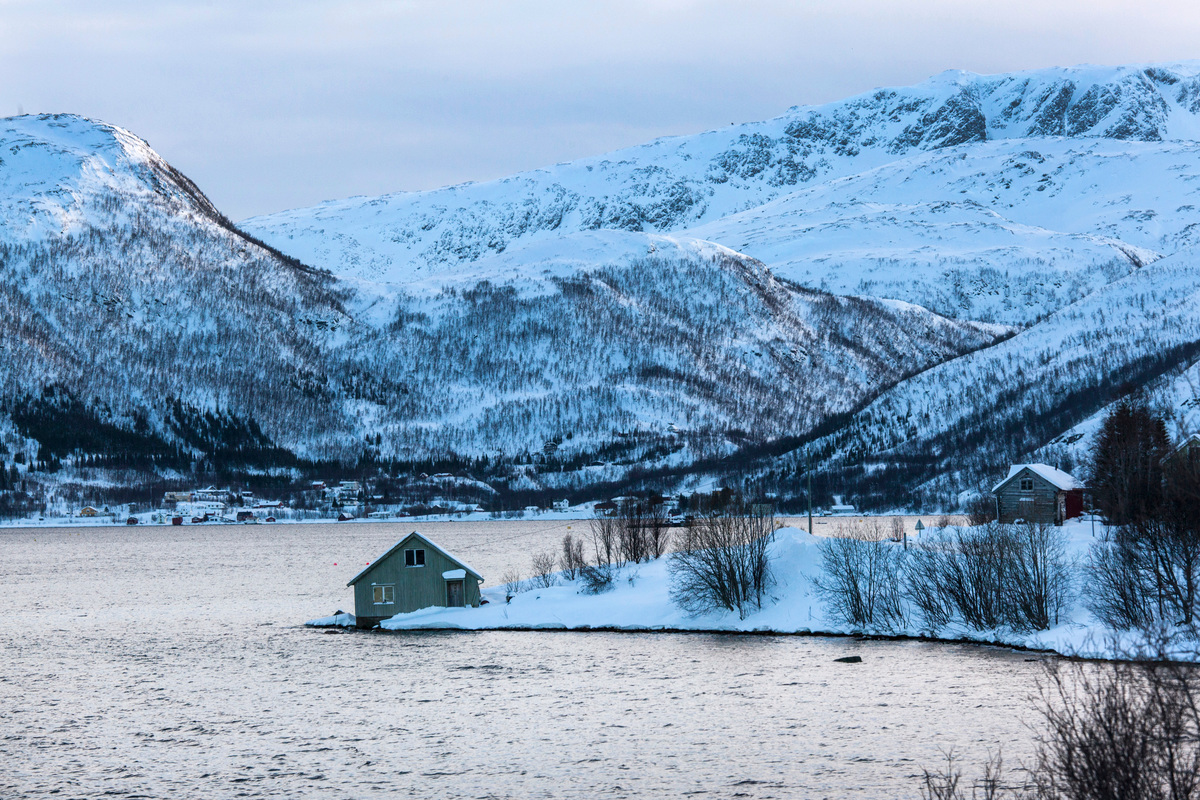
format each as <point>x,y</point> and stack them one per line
<point>1055,477</point>
<point>1190,441</point>
<point>424,539</point>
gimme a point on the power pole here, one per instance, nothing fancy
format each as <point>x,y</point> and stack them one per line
<point>808,474</point>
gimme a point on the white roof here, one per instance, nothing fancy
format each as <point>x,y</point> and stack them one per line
<point>430,542</point>
<point>1056,477</point>
<point>454,574</point>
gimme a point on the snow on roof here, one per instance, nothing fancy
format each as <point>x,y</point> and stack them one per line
<point>454,574</point>
<point>1056,477</point>
<point>427,541</point>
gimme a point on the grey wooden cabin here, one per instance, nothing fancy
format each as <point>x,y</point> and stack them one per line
<point>1038,493</point>
<point>415,573</point>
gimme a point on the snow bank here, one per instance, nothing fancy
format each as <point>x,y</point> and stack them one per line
<point>339,619</point>
<point>641,601</point>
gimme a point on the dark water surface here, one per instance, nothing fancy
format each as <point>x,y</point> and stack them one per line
<point>170,663</point>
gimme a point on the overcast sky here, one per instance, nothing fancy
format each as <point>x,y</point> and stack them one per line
<point>273,105</point>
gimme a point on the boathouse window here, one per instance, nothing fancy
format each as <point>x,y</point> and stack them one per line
<point>385,594</point>
<point>1026,484</point>
<point>414,558</point>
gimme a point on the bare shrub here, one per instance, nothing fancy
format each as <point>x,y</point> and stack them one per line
<point>924,576</point>
<point>897,526</point>
<point>943,784</point>
<point>1037,579</point>
<point>722,562</point>
<point>860,579</point>
<point>1124,730</point>
<point>1127,730</point>
<point>991,575</point>
<point>981,510</point>
<point>597,579</point>
<point>1120,586</point>
<point>513,584</point>
<point>571,559</point>
<point>943,522</point>
<point>542,575</point>
<point>1149,575</point>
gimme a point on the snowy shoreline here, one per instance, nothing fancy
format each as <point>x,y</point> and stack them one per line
<point>640,602</point>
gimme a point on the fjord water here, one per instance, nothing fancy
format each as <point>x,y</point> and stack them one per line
<point>171,662</point>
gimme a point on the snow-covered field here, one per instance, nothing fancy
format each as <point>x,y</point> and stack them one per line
<point>641,601</point>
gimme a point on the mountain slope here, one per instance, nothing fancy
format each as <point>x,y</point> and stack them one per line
<point>1056,200</point>
<point>984,134</point>
<point>679,344</point>
<point>121,285</point>
<point>134,317</point>
<point>947,429</point>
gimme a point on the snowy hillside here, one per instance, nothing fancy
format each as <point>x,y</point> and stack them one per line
<point>1061,176</point>
<point>945,430</point>
<point>1060,200</point>
<point>844,279</point>
<point>136,321</point>
<point>126,299</point>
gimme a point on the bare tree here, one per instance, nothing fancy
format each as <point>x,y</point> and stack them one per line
<point>606,540</point>
<point>722,562</point>
<point>631,531</point>
<point>571,560</point>
<point>542,574</point>
<point>658,532</point>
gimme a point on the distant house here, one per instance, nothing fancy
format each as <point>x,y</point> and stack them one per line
<point>562,505</point>
<point>1038,493</point>
<point>171,498</point>
<point>1189,451</point>
<point>88,511</point>
<point>415,573</point>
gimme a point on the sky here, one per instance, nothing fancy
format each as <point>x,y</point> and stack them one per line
<point>273,105</point>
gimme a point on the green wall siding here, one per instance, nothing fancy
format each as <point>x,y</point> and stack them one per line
<point>415,587</point>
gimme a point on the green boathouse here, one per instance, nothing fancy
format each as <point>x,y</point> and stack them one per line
<point>415,573</point>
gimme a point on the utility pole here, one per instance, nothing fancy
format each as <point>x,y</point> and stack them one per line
<point>808,474</point>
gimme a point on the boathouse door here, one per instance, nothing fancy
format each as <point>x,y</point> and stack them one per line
<point>454,594</point>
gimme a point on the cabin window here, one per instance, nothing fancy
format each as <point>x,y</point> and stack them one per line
<point>385,594</point>
<point>1026,484</point>
<point>414,558</point>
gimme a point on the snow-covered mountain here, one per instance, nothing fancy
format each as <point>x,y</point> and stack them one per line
<point>848,278</point>
<point>1047,176</point>
<point>131,308</point>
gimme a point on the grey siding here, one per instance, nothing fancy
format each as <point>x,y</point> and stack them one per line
<point>415,587</point>
<point>1040,505</point>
